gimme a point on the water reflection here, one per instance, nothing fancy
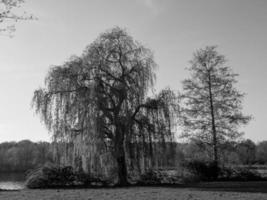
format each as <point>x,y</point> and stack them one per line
<point>12,181</point>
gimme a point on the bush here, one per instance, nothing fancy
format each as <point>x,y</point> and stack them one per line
<point>36,179</point>
<point>149,178</point>
<point>51,176</point>
<point>158,177</point>
<point>239,174</point>
<point>205,171</point>
<point>88,180</point>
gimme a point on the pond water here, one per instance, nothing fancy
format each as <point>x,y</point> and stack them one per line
<point>12,181</point>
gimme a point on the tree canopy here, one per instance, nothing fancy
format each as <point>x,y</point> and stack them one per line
<point>103,95</point>
<point>211,105</point>
<point>9,14</point>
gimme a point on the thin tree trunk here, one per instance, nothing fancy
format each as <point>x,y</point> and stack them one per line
<point>214,133</point>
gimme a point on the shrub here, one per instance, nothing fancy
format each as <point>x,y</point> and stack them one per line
<point>89,180</point>
<point>158,177</point>
<point>240,174</point>
<point>205,171</point>
<point>149,178</point>
<point>36,179</point>
<point>51,176</point>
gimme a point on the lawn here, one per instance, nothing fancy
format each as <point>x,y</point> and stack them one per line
<point>204,191</point>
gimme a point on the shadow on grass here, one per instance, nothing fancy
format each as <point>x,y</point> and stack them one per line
<point>11,190</point>
<point>249,186</point>
<point>246,187</point>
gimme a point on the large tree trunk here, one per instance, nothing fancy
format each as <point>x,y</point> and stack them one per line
<point>122,170</point>
<point>120,157</point>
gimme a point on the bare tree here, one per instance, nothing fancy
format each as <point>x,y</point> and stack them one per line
<point>211,104</point>
<point>104,95</point>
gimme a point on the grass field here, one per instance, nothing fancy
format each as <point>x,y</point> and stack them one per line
<point>204,191</point>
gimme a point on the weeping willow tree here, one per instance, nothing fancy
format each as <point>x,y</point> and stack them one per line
<point>103,97</point>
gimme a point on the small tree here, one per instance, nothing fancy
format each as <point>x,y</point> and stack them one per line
<point>211,105</point>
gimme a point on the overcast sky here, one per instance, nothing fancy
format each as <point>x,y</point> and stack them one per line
<point>172,29</point>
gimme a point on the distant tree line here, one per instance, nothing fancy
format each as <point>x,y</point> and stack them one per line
<point>244,152</point>
<point>24,155</point>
